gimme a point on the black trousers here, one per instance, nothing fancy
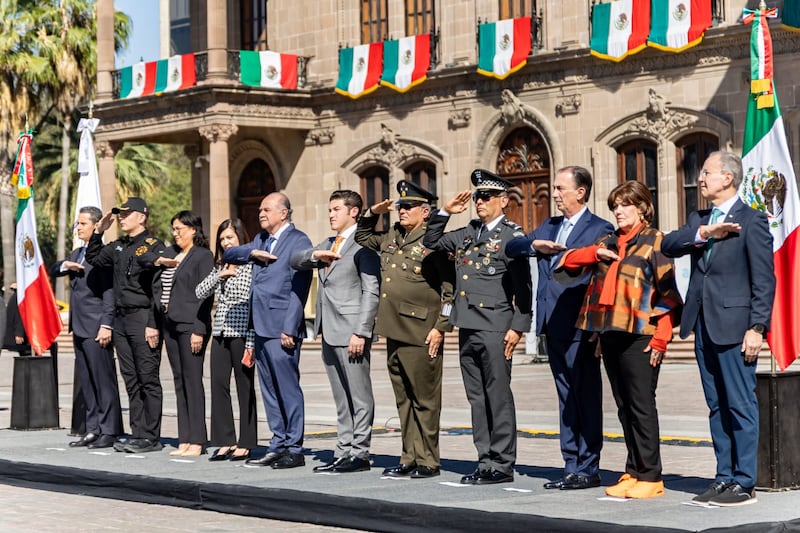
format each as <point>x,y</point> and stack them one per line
<point>487,380</point>
<point>97,375</point>
<point>139,366</point>
<point>187,373</point>
<point>633,383</point>
<point>226,355</point>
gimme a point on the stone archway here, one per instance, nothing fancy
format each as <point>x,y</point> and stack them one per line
<point>255,182</point>
<point>524,160</point>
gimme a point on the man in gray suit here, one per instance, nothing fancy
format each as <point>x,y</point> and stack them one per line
<point>347,302</point>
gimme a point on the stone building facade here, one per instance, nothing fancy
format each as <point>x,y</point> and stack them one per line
<point>651,117</point>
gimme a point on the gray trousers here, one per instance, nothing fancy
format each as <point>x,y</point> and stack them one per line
<point>352,393</point>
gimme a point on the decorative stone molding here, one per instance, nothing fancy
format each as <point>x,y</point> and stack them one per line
<point>107,149</point>
<point>570,104</point>
<point>391,150</point>
<point>247,150</point>
<point>658,120</point>
<point>395,152</point>
<point>218,132</point>
<point>459,118</point>
<point>320,136</point>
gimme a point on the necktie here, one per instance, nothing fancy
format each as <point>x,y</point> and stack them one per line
<point>561,238</point>
<point>336,243</point>
<point>715,214</point>
<point>82,255</point>
<point>270,242</point>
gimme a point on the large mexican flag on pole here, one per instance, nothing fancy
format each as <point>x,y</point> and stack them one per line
<point>37,305</point>
<point>769,185</point>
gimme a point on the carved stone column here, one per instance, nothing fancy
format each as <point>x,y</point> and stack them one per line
<point>217,38</point>
<point>216,188</point>
<point>106,150</point>
<point>105,49</point>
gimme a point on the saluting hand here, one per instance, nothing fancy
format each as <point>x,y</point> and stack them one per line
<point>604,254</point>
<point>544,246</point>
<point>382,208</point>
<point>72,265</point>
<point>458,203</point>
<point>105,222</point>
<point>326,256</point>
<point>263,256</point>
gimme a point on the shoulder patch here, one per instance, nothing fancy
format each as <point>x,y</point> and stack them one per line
<point>518,234</point>
<point>511,224</point>
<point>151,241</point>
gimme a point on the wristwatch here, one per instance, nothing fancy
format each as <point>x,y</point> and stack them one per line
<point>759,328</point>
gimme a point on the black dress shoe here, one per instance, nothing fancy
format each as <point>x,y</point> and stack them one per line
<point>267,460</point>
<point>493,476</point>
<point>84,441</point>
<point>422,472</point>
<point>353,464</point>
<point>400,470</point>
<point>558,483</point>
<point>582,482</point>
<point>714,489</point>
<point>104,441</point>
<point>289,460</point>
<point>733,495</point>
<point>216,456</point>
<point>143,445</point>
<point>328,467</point>
<point>471,479</point>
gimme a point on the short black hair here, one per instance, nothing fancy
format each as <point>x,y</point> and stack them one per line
<point>350,198</point>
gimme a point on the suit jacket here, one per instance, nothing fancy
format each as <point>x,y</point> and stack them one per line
<point>347,299</point>
<point>558,304</point>
<point>91,298</point>
<point>279,292</point>
<point>190,313</point>
<point>493,291</point>
<point>735,287</point>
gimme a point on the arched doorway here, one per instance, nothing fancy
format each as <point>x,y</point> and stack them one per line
<point>255,183</point>
<point>524,160</point>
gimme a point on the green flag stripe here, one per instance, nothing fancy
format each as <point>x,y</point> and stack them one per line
<point>345,69</point>
<point>162,75</point>
<point>250,68</point>
<point>601,22</point>
<point>758,124</point>
<point>390,60</point>
<point>486,47</point>
<point>125,81</point>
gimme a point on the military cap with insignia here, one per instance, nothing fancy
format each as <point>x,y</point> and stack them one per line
<point>413,193</point>
<point>483,180</point>
<point>134,203</point>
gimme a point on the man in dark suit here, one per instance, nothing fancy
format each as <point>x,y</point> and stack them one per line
<point>278,296</point>
<point>570,353</point>
<point>728,305</point>
<point>90,319</point>
<point>347,302</point>
<point>492,308</point>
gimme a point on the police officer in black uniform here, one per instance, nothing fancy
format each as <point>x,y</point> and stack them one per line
<point>136,335</point>
<point>492,308</point>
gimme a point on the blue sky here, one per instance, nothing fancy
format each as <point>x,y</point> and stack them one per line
<point>144,40</point>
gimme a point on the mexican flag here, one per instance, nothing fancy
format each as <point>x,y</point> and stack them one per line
<point>406,62</point>
<point>156,77</point>
<point>37,305</point>
<point>268,69</point>
<point>790,16</point>
<point>359,70</point>
<point>769,185</point>
<point>619,29</point>
<point>504,46</point>
<point>678,24</point>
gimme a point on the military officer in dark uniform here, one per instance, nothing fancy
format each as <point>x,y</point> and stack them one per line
<point>416,298</point>
<point>136,335</point>
<point>492,307</point>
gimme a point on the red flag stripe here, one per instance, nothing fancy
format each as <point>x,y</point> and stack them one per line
<point>39,313</point>
<point>189,78</point>
<point>784,334</point>
<point>289,71</point>
<point>149,77</point>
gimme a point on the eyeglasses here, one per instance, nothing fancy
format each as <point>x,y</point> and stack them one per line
<point>179,229</point>
<point>406,206</point>
<point>483,195</point>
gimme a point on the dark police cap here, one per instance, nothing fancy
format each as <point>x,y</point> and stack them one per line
<point>483,180</point>
<point>410,192</point>
<point>133,203</point>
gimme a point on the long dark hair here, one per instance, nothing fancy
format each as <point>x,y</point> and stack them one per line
<point>238,227</point>
<point>192,220</point>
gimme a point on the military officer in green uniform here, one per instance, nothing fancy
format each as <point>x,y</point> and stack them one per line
<point>416,297</point>
<point>492,307</point>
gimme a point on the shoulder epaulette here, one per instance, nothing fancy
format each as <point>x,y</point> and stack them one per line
<point>151,241</point>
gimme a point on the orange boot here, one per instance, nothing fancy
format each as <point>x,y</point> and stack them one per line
<point>621,488</point>
<point>646,489</point>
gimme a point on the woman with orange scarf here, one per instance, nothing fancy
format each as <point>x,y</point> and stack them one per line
<point>631,303</point>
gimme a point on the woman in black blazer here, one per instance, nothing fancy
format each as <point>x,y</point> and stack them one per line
<point>186,325</point>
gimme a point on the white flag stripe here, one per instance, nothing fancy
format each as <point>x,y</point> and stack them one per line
<point>89,183</point>
<point>678,32</point>
<point>360,69</point>
<point>174,73</point>
<point>271,70</point>
<point>504,46</point>
<point>138,76</point>
<point>406,61</point>
<point>619,33</point>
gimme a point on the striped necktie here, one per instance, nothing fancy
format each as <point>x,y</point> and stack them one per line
<point>715,214</point>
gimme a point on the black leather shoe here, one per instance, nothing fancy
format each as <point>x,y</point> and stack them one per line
<point>267,460</point>
<point>714,489</point>
<point>353,464</point>
<point>400,470</point>
<point>84,441</point>
<point>216,456</point>
<point>422,472</point>
<point>143,445</point>
<point>289,460</point>
<point>120,443</point>
<point>329,467</point>
<point>734,495</point>
<point>582,482</point>
<point>493,476</point>
<point>558,483</point>
<point>471,479</point>
<point>104,441</point>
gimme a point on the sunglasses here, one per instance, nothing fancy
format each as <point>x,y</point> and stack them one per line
<point>406,205</point>
<point>483,195</point>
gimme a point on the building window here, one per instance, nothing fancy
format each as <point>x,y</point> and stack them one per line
<point>422,174</point>
<point>638,161</point>
<point>374,189</point>
<point>180,33</point>
<point>374,21</point>
<point>510,9</point>
<point>420,17</point>
<point>253,24</point>
<point>692,152</point>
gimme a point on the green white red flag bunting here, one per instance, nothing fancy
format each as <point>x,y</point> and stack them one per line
<point>678,24</point>
<point>406,62</point>
<point>769,185</point>
<point>156,77</point>
<point>37,305</point>
<point>503,46</point>
<point>268,69</point>
<point>619,29</point>
<point>359,70</point>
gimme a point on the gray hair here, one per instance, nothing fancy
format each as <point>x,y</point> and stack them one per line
<point>94,213</point>
<point>730,162</point>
